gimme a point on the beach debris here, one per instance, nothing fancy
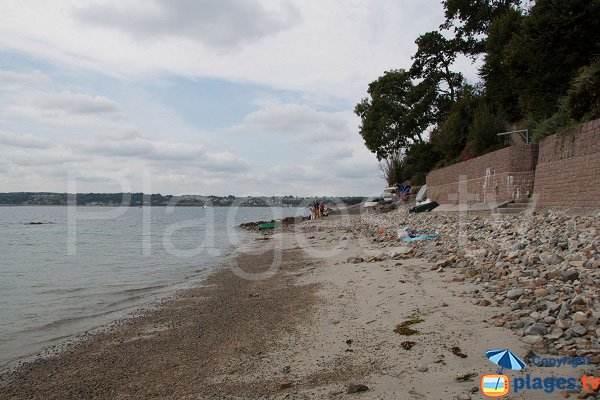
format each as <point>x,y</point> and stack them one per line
<point>458,352</point>
<point>427,206</point>
<point>468,377</point>
<point>287,369</point>
<point>405,327</point>
<point>407,345</point>
<point>285,385</point>
<point>422,367</point>
<point>463,396</point>
<point>355,260</point>
<point>356,388</point>
<point>421,237</point>
<point>349,342</point>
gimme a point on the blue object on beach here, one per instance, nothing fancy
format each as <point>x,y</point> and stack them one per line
<point>422,237</point>
<point>505,359</point>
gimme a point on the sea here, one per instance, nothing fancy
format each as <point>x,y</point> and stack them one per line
<point>69,270</point>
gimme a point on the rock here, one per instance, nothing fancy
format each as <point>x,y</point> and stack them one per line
<point>484,303</point>
<point>542,292</point>
<point>400,251</point>
<point>580,318</point>
<point>463,396</point>
<point>578,330</point>
<point>518,246</point>
<point>578,300</point>
<point>563,324</point>
<point>471,273</point>
<point>422,368</point>
<point>514,294</point>
<point>554,259</point>
<point>570,275</point>
<point>356,387</point>
<point>536,329</point>
<point>564,310</point>
<point>285,385</point>
<point>577,264</point>
<point>531,339</point>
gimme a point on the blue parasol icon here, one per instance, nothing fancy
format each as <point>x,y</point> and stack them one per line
<point>505,359</point>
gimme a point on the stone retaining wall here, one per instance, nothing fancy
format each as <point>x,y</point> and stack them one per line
<point>495,178</point>
<point>564,168</point>
<point>568,168</point>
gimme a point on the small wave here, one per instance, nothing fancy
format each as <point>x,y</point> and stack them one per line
<point>62,290</point>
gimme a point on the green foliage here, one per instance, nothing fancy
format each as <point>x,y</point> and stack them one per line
<point>420,158</point>
<point>435,54</point>
<point>392,168</point>
<point>484,129</point>
<point>471,19</point>
<point>557,38</point>
<point>496,76</point>
<point>397,113</point>
<point>583,98</point>
<point>537,63</point>
<point>557,122</point>
<point>450,138</point>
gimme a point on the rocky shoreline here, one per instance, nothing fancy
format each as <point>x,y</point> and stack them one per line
<point>544,266</point>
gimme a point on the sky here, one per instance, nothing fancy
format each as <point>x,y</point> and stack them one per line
<point>242,97</point>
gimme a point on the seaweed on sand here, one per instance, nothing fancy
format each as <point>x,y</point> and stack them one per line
<point>405,327</point>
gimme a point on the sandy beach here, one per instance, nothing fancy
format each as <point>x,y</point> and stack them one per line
<point>336,320</point>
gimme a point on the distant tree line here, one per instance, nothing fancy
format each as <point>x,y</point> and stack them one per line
<point>540,70</point>
<point>139,199</point>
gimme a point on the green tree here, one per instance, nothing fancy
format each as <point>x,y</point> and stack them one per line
<point>557,38</point>
<point>471,19</point>
<point>583,98</point>
<point>483,130</point>
<point>397,113</point>
<point>450,137</point>
<point>494,72</point>
<point>432,61</point>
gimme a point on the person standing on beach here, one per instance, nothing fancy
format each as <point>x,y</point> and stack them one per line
<point>321,210</point>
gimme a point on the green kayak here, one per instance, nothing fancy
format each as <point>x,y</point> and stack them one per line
<point>423,207</point>
<point>268,225</point>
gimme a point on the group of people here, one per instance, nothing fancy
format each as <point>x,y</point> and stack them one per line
<point>317,210</point>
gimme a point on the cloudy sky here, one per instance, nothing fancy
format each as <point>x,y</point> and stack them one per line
<point>201,96</point>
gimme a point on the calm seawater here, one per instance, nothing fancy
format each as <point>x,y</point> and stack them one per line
<point>77,272</point>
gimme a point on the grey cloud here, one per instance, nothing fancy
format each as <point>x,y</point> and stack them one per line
<point>302,123</point>
<point>23,140</point>
<point>77,104</point>
<point>219,24</point>
<point>169,153</point>
<point>43,158</point>
<point>143,148</point>
<point>11,78</point>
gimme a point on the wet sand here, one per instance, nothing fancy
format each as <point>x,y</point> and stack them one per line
<point>225,327</point>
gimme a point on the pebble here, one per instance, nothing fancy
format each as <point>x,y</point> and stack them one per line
<point>422,368</point>
<point>514,294</point>
<point>356,388</point>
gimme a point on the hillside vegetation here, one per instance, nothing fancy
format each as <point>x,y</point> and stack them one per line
<point>540,70</point>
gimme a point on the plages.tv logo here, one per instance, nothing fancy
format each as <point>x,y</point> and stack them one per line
<point>498,385</point>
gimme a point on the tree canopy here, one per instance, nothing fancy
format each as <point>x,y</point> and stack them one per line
<point>540,70</point>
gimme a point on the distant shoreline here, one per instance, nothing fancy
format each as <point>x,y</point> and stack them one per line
<point>138,206</point>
